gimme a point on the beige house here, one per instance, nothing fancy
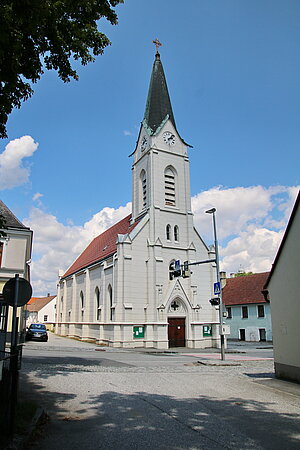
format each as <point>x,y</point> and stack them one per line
<point>121,291</point>
<point>282,288</point>
<point>15,257</point>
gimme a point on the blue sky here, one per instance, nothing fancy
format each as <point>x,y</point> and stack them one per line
<point>233,73</point>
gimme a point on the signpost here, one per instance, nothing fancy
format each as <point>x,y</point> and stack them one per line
<point>217,288</point>
<point>16,292</point>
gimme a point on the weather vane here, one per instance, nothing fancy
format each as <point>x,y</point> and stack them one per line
<point>157,44</point>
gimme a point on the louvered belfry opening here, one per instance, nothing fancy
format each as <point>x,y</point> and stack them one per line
<point>170,194</point>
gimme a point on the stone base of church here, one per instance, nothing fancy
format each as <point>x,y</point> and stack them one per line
<point>120,335</point>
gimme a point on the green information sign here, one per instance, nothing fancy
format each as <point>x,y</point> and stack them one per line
<point>138,332</point>
<point>207,330</point>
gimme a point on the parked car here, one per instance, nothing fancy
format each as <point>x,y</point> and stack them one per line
<point>37,332</point>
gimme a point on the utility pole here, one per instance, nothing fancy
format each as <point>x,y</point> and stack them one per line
<point>212,211</point>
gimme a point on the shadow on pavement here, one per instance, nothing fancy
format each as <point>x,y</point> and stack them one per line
<point>150,421</point>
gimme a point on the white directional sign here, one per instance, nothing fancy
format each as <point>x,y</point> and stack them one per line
<point>217,288</point>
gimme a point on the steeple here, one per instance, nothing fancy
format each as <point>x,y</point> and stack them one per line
<point>158,106</point>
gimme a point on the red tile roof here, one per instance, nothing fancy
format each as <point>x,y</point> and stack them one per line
<point>102,246</point>
<point>246,289</point>
<point>34,299</point>
<point>37,303</point>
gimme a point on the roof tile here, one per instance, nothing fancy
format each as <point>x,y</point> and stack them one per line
<point>102,246</point>
<point>245,289</point>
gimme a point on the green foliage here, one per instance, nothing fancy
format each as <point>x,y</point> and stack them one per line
<point>242,274</point>
<point>38,34</point>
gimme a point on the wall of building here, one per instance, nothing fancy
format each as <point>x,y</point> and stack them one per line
<point>285,305</point>
<point>252,324</point>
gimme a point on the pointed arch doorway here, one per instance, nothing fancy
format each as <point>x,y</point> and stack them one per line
<point>176,325</point>
<point>176,331</point>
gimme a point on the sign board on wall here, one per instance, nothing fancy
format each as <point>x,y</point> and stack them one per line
<point>207,330</point>
<point>138,332</point>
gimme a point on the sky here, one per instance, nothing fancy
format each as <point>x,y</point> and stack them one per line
<point>233,73</point>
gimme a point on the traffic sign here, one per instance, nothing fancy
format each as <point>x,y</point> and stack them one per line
<point>177,264</point>
<point>217,288</point>
<point>24,291</point>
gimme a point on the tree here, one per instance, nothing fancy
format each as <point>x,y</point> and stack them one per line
<point>39,34</point>
<point>242,274</point>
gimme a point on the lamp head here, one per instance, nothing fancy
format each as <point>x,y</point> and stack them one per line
<point>211,211</point>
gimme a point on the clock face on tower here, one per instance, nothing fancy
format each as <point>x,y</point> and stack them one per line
<point>144,143</point>
<point>169,138</point>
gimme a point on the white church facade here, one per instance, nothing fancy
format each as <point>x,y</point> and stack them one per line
<point>121,290</point>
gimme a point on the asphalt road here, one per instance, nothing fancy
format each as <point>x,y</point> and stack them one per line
<point>117,399</point>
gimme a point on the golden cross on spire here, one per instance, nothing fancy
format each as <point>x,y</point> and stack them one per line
<point>157,44</point>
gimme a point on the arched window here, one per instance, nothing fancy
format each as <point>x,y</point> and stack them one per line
<point>61,307</point>
<point>170,192</point>
<point>168,232</point>
<point>144,188</point>
<point>82,304</point>
<point>98,305</point>
<point>176,233</point>
<point>110,302</point>
<point>1,251</point>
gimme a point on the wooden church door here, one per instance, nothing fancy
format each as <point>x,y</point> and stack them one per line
<point>176,332</point>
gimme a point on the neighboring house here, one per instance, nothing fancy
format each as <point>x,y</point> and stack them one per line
<point>15,257</point>
<point>121,291</point>
<point>282,289</point>
<point>41,310</point>
<point>248,312</point>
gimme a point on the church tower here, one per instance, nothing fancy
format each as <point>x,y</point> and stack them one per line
<point>122,290</point>
<point>159,143</point>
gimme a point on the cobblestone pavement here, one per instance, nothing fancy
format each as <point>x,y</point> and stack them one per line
<point>119,399</point>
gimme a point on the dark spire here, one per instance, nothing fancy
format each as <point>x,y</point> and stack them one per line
<point>158,106</point>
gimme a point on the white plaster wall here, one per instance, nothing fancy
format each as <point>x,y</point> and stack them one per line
<point>285,299</point>
<point>48,310</point>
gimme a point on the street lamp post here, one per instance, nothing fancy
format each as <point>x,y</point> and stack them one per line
<point>212,211</point>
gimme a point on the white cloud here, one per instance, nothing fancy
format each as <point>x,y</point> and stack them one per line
<point>253,250</point>
<point>12,171</point>
<point>127,133</point>
<point>56,246</point>
<point>37,196</point>
<point>250,223</point>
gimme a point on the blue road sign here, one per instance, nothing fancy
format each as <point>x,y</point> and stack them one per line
<point>217,288</point>
<point>177,264</point>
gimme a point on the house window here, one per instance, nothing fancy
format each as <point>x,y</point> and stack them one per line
<point>260,311</point>
<point>242,334</point>
<point>229,312</point>
<point>1,252</point>
<point>170,194</point>
<point>168,232</point>
<point>45,318</point>
<point>176,233</point>
<point>245,312</point>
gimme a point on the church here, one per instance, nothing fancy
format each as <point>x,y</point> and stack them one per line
<point>132,286</point>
